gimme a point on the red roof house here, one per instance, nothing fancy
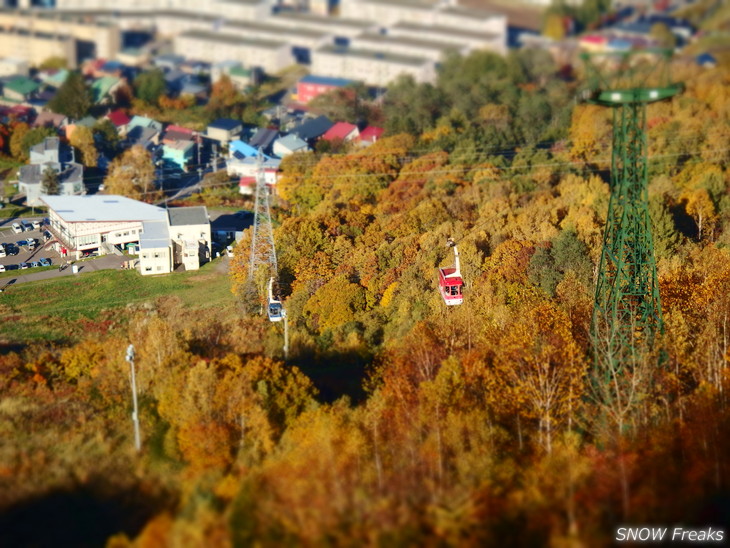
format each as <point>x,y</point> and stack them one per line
<point>119,119</point>
<point>342,130</point>
<point>371,134</point>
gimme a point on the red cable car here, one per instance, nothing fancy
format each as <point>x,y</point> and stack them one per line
<point>450,282</point>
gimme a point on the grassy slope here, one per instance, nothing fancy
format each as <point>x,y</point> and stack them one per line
<point>57,309</point>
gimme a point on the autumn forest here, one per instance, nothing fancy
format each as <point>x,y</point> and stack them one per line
<point>395,420</point>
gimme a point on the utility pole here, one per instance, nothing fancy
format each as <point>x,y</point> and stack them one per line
<point>133,381</point>
<point>286,337</point>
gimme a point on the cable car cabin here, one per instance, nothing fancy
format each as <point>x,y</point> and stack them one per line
<point>274,309</point>
<point>450,282</point>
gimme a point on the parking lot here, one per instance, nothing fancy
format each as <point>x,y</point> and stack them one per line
<point>18,250</point>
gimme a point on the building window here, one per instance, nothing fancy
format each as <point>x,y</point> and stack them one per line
<point>126,233</point>
<point>159,268</point>
<point>148,269</point>
<point>157,255</point>
<point>144,255</point>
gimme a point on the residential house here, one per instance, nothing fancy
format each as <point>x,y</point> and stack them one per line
<point>50,154</point>
<point>20,88</point>
<point>10,66</point>
<point>179,153</point>
<point>312,129</point>
<point>224,130</point>
<point>120,120</point>
<point>249,165</point>
<point>289,144</point>
<point>263,139</point>
<point>177,133</point>
<point>342,131</point>
<point>86,121</point>
<point>51,119</point>
<point>168,62</point>
<point>143,121</point>
<point>146,137</point>
<point>370,134</point>
<point>240,149</point>
<point>133,57</point>
<point>312,86</point>
<point>53,77</point>
<point>175,80</point>
<point>104,89</point>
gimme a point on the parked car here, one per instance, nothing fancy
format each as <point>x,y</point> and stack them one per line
<point>26,226</point>
<point>35,264</point>
<point>17,228</point>
<point>2,268</point>
<point>21,243</point>
<point>47,236</point>
<point>2,252</point>
<point>10,249</point>
<point>36,224</point>
<point>23,266</point>
<point>44,261</point>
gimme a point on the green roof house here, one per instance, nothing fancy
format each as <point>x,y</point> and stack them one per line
<point>20,89</point>
<point>103,89</point>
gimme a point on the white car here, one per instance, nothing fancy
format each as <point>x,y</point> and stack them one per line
<point>16,228</point>
<point>2,268</point>
<point>36,224</point>
<point>2,252</point>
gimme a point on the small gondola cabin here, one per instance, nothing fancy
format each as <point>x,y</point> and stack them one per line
<point>450,282</point>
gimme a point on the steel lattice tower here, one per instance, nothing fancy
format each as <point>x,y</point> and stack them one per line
<point>263,250</point>
<point>627,309</point>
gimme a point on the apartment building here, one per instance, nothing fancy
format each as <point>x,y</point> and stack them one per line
<point>375,68</point>
<point>474,40</point>
<point>406,45</point>
<point>335,26</point>
<point>215,47</point>
<point>102,37</point>
<point>36,47</point>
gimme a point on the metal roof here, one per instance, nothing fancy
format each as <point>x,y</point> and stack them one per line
<point>155,234</point>
<point>183,216</point>
<point>102,208</point>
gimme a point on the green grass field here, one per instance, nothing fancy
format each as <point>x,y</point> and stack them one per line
<point>59,309</point>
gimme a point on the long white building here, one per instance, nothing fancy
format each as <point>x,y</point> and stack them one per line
<point>372,67</point>
<point>406,45</point>
<point>216,47</point>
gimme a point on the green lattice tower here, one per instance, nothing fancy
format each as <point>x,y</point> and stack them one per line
<point>627,311</point>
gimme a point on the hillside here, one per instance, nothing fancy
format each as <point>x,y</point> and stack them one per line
<point>397,421</point>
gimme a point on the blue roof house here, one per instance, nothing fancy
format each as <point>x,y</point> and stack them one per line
<point>179,153</point>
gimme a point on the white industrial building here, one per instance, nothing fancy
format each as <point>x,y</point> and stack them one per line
<point>375,68</point>
<point>215,47</point>
<point>166,238</point>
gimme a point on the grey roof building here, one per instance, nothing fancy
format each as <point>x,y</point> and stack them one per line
<point>50,154</point>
